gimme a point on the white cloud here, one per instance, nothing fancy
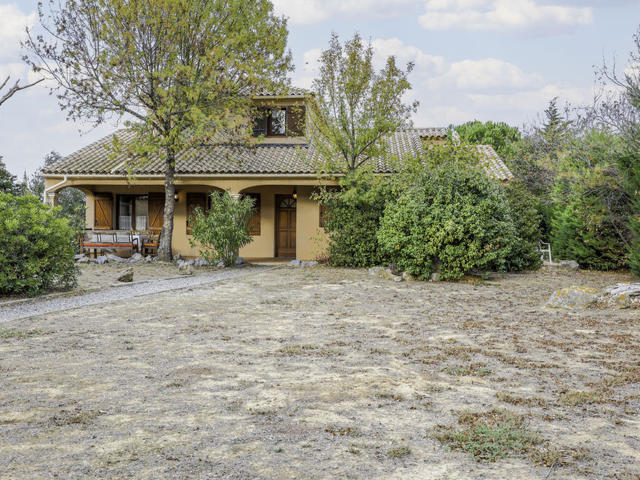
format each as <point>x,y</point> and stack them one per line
<point>486,74</point>
<point>313,11</point>
<point>502,15</point>
<point>456,92</point>
<point>12,25</point>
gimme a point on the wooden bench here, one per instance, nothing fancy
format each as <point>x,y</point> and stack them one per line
<point>109,240</point>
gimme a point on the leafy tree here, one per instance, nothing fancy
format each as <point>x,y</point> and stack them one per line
<point>180,72</point>
<point>357,107</point>
<point>497,134</point>
<point>7,180</point>
<point>523,206</point>
<point>223,229</point>
<point>36,247</point>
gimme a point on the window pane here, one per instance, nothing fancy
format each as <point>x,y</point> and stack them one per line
<point>142,212</point>
<point>278,120</point>
<point>125,208</point>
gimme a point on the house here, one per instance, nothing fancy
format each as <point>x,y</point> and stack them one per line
<point>277,172</point>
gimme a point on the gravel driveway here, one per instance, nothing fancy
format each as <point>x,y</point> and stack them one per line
<point>113,293</point>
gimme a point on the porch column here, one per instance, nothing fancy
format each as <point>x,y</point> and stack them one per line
<point>51,199</point>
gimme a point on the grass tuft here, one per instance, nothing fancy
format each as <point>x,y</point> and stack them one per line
<point>490,436</point>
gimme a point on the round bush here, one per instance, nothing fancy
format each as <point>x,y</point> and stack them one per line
<point>453,219</point>
<point>36,247</point>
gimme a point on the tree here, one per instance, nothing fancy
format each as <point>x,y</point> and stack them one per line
<point>72,202</point>
<point>7,180</point>
<point>621,111</point>
<point>223,229</point>
<point>497,134</point>
<point>181,73</point>
<point>16,87</point>
<point>357,108</point>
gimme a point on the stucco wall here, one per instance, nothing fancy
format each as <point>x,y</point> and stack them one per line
<point>311,240</point>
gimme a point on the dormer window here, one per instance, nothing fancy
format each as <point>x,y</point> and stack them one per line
<point>279,122</point>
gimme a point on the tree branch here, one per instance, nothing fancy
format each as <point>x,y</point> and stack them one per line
<point>15,88</point>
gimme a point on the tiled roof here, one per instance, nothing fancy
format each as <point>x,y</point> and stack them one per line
<point>263,158</point>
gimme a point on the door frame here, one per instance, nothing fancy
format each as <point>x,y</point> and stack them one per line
<point>276,223</point>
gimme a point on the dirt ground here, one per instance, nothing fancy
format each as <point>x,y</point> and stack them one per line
<point>98,276</point>
<point>321,373</point>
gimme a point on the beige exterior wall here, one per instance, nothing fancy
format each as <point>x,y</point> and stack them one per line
<point>311,240</point>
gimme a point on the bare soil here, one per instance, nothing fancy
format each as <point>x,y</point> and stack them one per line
<point>321,373</point>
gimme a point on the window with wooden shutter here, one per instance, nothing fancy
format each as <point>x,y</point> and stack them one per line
<point>194,200</point>
<point>103,212</point>
<point>296,121</point>
<point>254,222</point>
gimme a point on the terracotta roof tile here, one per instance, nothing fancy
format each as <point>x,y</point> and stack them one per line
<point>264,158</point>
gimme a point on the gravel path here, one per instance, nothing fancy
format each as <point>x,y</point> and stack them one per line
<point>120,292</point>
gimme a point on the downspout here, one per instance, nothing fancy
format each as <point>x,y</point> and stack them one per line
<point>46,190</point>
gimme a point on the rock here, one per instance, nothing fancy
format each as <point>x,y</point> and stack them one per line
<point>386,273</point>
<point>374,271</point>
<point>393,268</point>
<point>573,297</point>
<point>220,264</point>
<point>82,258</point>
<point>295,263</point>
<point>177,257</point>
<point>149,259</point>
<point>185,262</point>
<point>185,269</point>
<point>200,262</point>
<point>239,261</point>
<point>407,277</point>
<point>622,295</point>
<point>312,263</point>
<point>434,277</point>
<point>115,258</point>
<point>136,257</point>
<point>126,276</point>
<point>101,259</point>
<point>568,265</point>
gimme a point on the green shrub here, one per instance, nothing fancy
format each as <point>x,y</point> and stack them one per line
<point>36,247</point>
<point>527,220</point>
<point>582,231</point>
<point>352,217</point>
<point>452,219</point>
<point>223,229</point>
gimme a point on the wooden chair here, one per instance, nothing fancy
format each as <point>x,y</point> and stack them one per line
<point>150,245</point>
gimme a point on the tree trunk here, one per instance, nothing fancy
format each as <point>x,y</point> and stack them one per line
<point>165,253</point>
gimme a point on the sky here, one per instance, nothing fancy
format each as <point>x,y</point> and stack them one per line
<point>499,60</point>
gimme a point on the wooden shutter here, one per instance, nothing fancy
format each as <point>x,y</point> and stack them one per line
<point>103,212</point>
<point>156,212</point>
<point>254,222</point>
<point>296,116</point>
<point>195,200</point>
<point>260,122</point>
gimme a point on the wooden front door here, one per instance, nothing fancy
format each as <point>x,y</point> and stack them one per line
<point>285,226</point>
<point>103,213</point>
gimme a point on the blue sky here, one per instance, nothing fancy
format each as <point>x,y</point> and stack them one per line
<point>500,60</point>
